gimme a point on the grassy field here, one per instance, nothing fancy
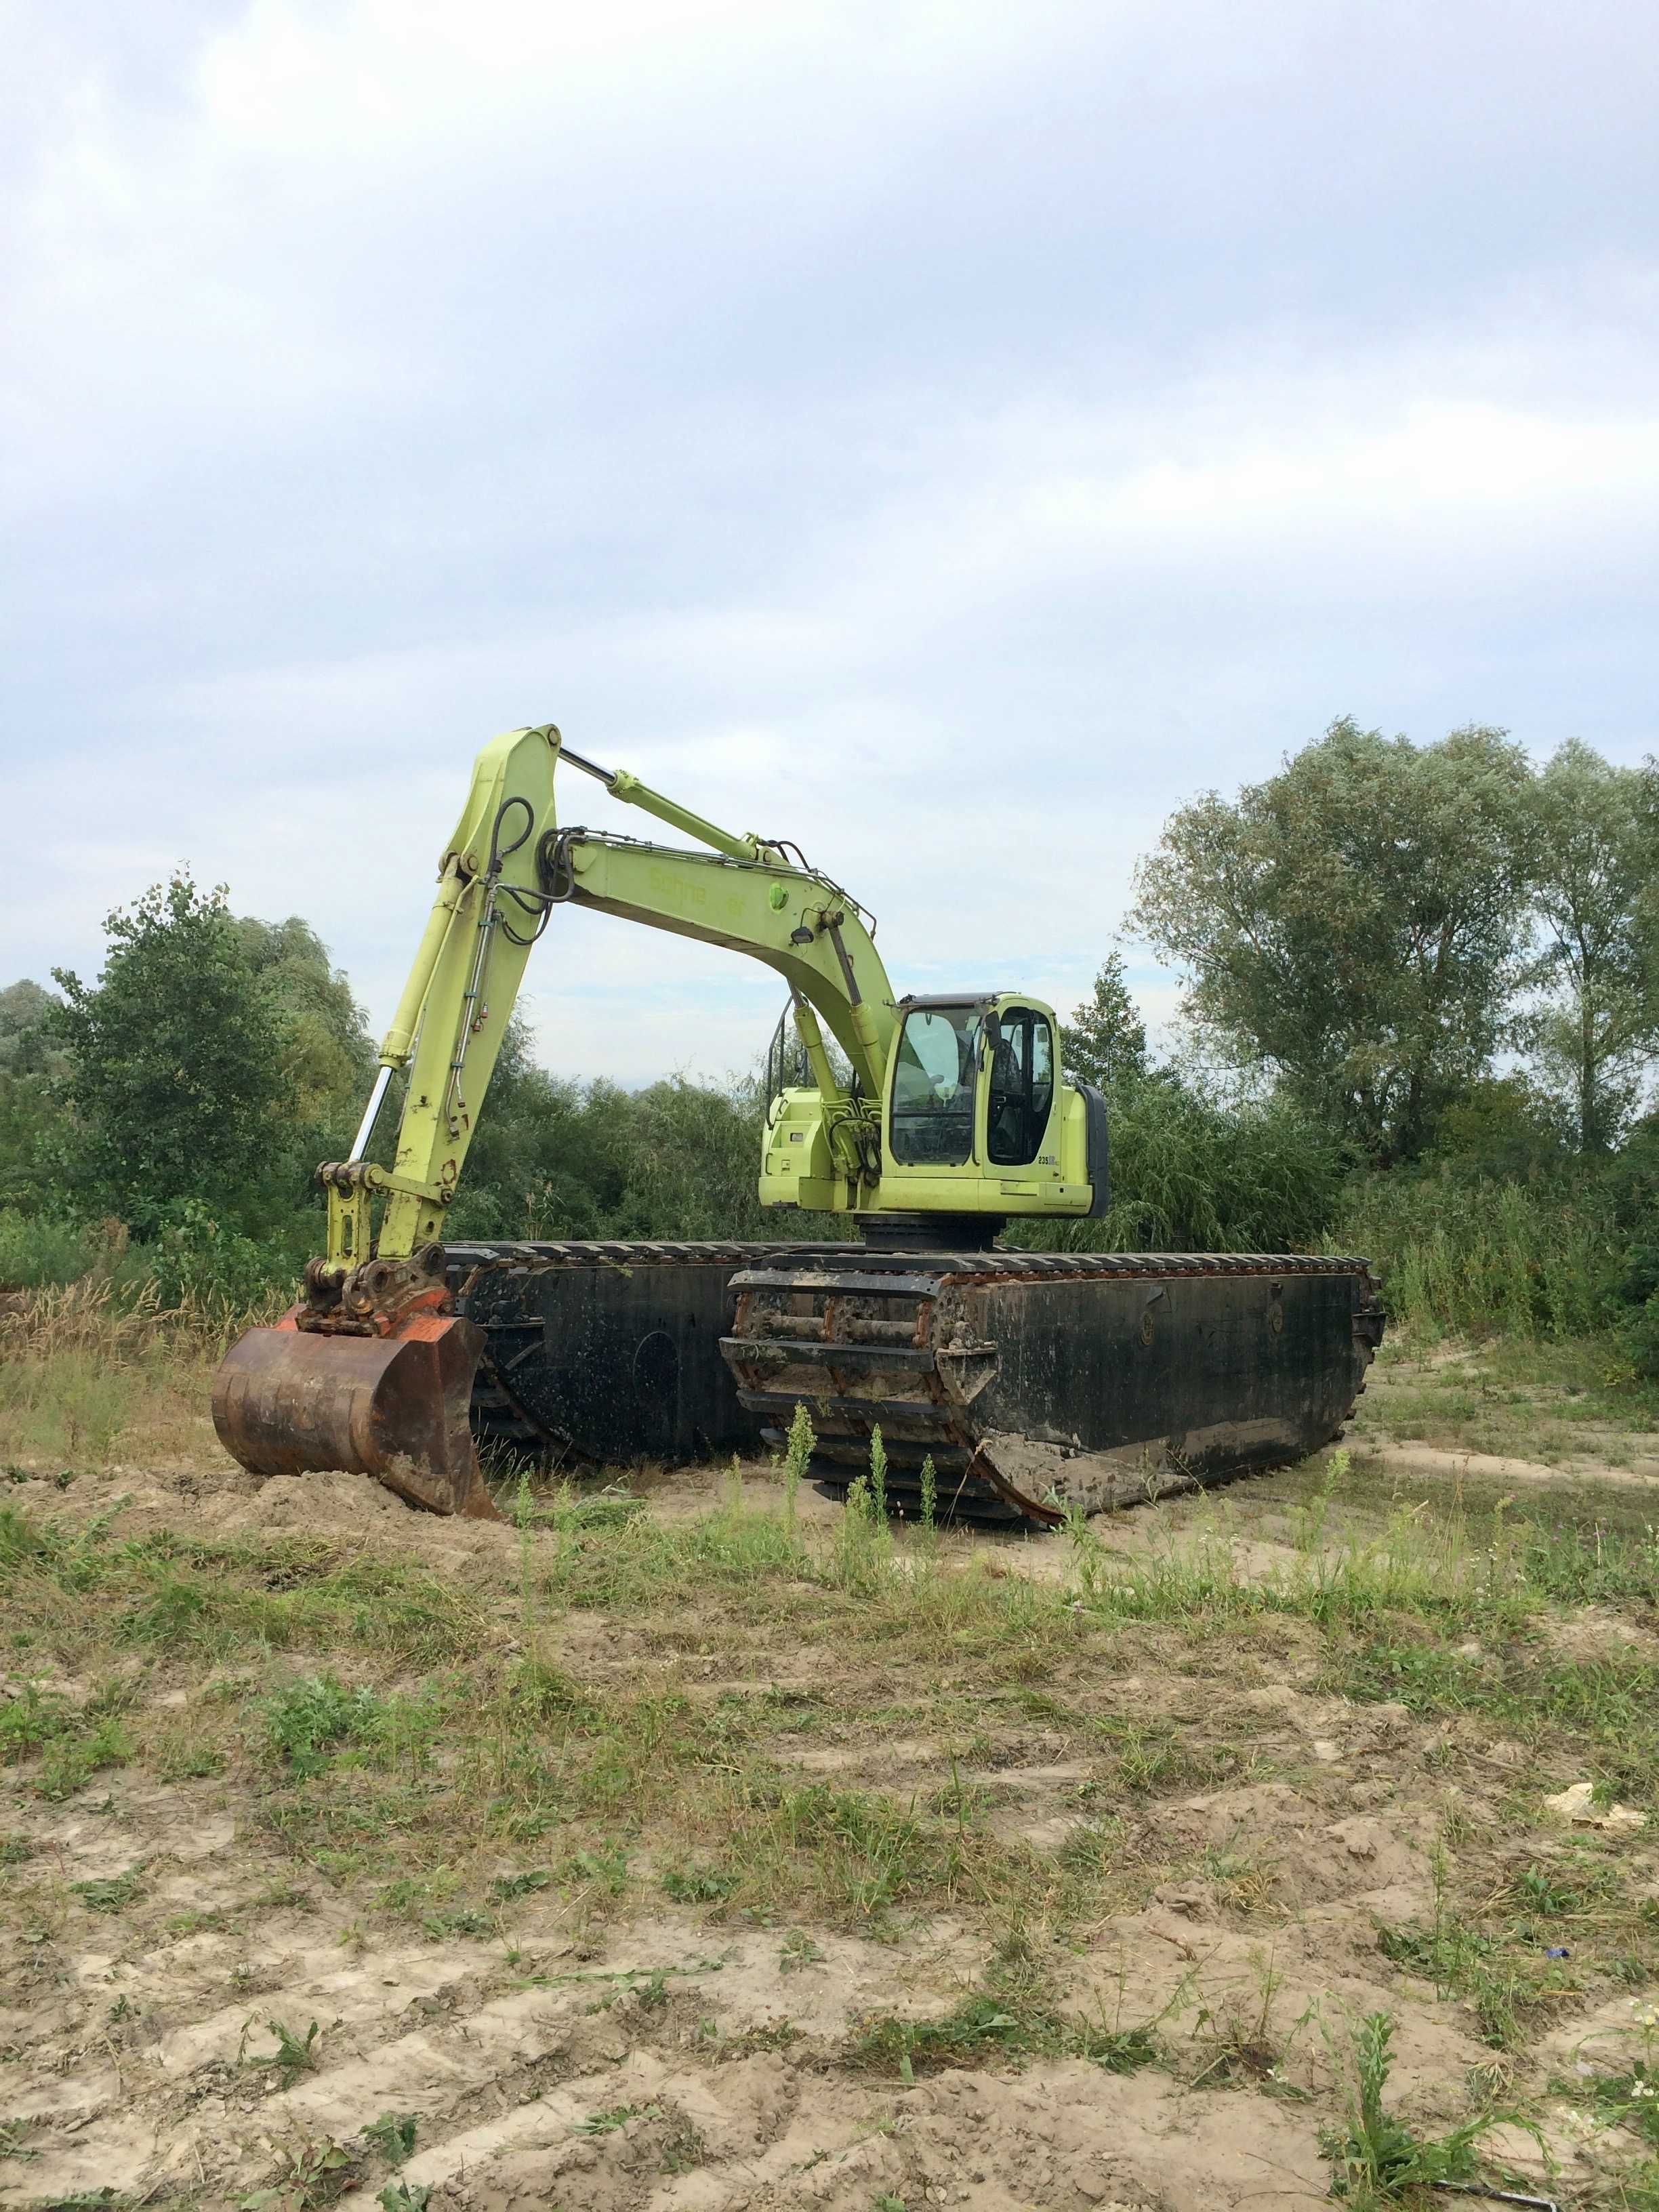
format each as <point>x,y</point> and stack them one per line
<point>691,1844</point>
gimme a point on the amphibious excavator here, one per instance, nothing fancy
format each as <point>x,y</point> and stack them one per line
<point>1034,1381</point>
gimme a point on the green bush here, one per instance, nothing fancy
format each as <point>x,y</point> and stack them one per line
<point>1638,1337</point>
<point>37,1251</point>
<point>1477,1255</point>
<point>196,1260</point>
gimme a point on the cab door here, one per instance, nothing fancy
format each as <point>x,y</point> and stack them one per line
<point>933,1098</point>
<point>1019,1101</point>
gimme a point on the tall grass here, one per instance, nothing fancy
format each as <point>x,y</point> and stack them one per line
<point>118,1321</point>
<point>87,1364</point>
<point>1193,1171</point>
<point>1477,1257</point>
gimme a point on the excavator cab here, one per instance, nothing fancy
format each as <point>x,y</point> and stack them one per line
<point>974,1123</point>
<point>978,1119</point>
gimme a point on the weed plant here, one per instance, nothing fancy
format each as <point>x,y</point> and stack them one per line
<point>1378,2160</point>
<point>797,1460</point>
<point>1013,2016</point>
<point>1498,1964</point>
<point>293,2054</point>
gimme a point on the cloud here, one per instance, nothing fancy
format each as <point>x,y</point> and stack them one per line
<point>949,436</point>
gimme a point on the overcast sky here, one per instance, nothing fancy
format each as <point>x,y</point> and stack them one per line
<point>949,436</point>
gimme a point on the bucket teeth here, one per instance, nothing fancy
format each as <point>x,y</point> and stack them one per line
<point>288,1401</point>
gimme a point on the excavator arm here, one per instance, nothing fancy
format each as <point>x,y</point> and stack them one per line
<point>368,1372</point>
<point>452,1016</point>
<point>508,865</point>
<point>796,922</point>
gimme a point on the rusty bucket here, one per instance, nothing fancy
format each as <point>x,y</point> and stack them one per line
<point>292,1401</point>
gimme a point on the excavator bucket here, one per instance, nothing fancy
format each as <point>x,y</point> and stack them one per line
<point>288,1400</point>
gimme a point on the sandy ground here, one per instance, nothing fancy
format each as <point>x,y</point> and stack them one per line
<point>666,2062</point>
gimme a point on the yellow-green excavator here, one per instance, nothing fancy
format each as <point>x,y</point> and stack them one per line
<point>1008,1385</point>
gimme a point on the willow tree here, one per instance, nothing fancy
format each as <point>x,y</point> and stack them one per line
<point>1355,927</point>
<point>1595,869</point>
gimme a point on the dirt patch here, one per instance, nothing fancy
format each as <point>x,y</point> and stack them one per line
<point>1437,1463</point>
<point>1596,1631</point>
<point>1209,1860</point>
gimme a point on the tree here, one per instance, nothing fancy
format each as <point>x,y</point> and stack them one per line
<point>175,1072</point>
<point>31,1121</point>
<point>26,1045</point>
<point>327,1054</point>
<point>1105,1041</point>
<point>1503,1128</point>
<point>1596,866</point>
<point>1353,926</point>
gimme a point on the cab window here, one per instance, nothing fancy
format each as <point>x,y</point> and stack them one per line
<point>934,1079</point>
<point>1021,1085</point>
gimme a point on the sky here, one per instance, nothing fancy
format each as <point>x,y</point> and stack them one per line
<point>950,436</point>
